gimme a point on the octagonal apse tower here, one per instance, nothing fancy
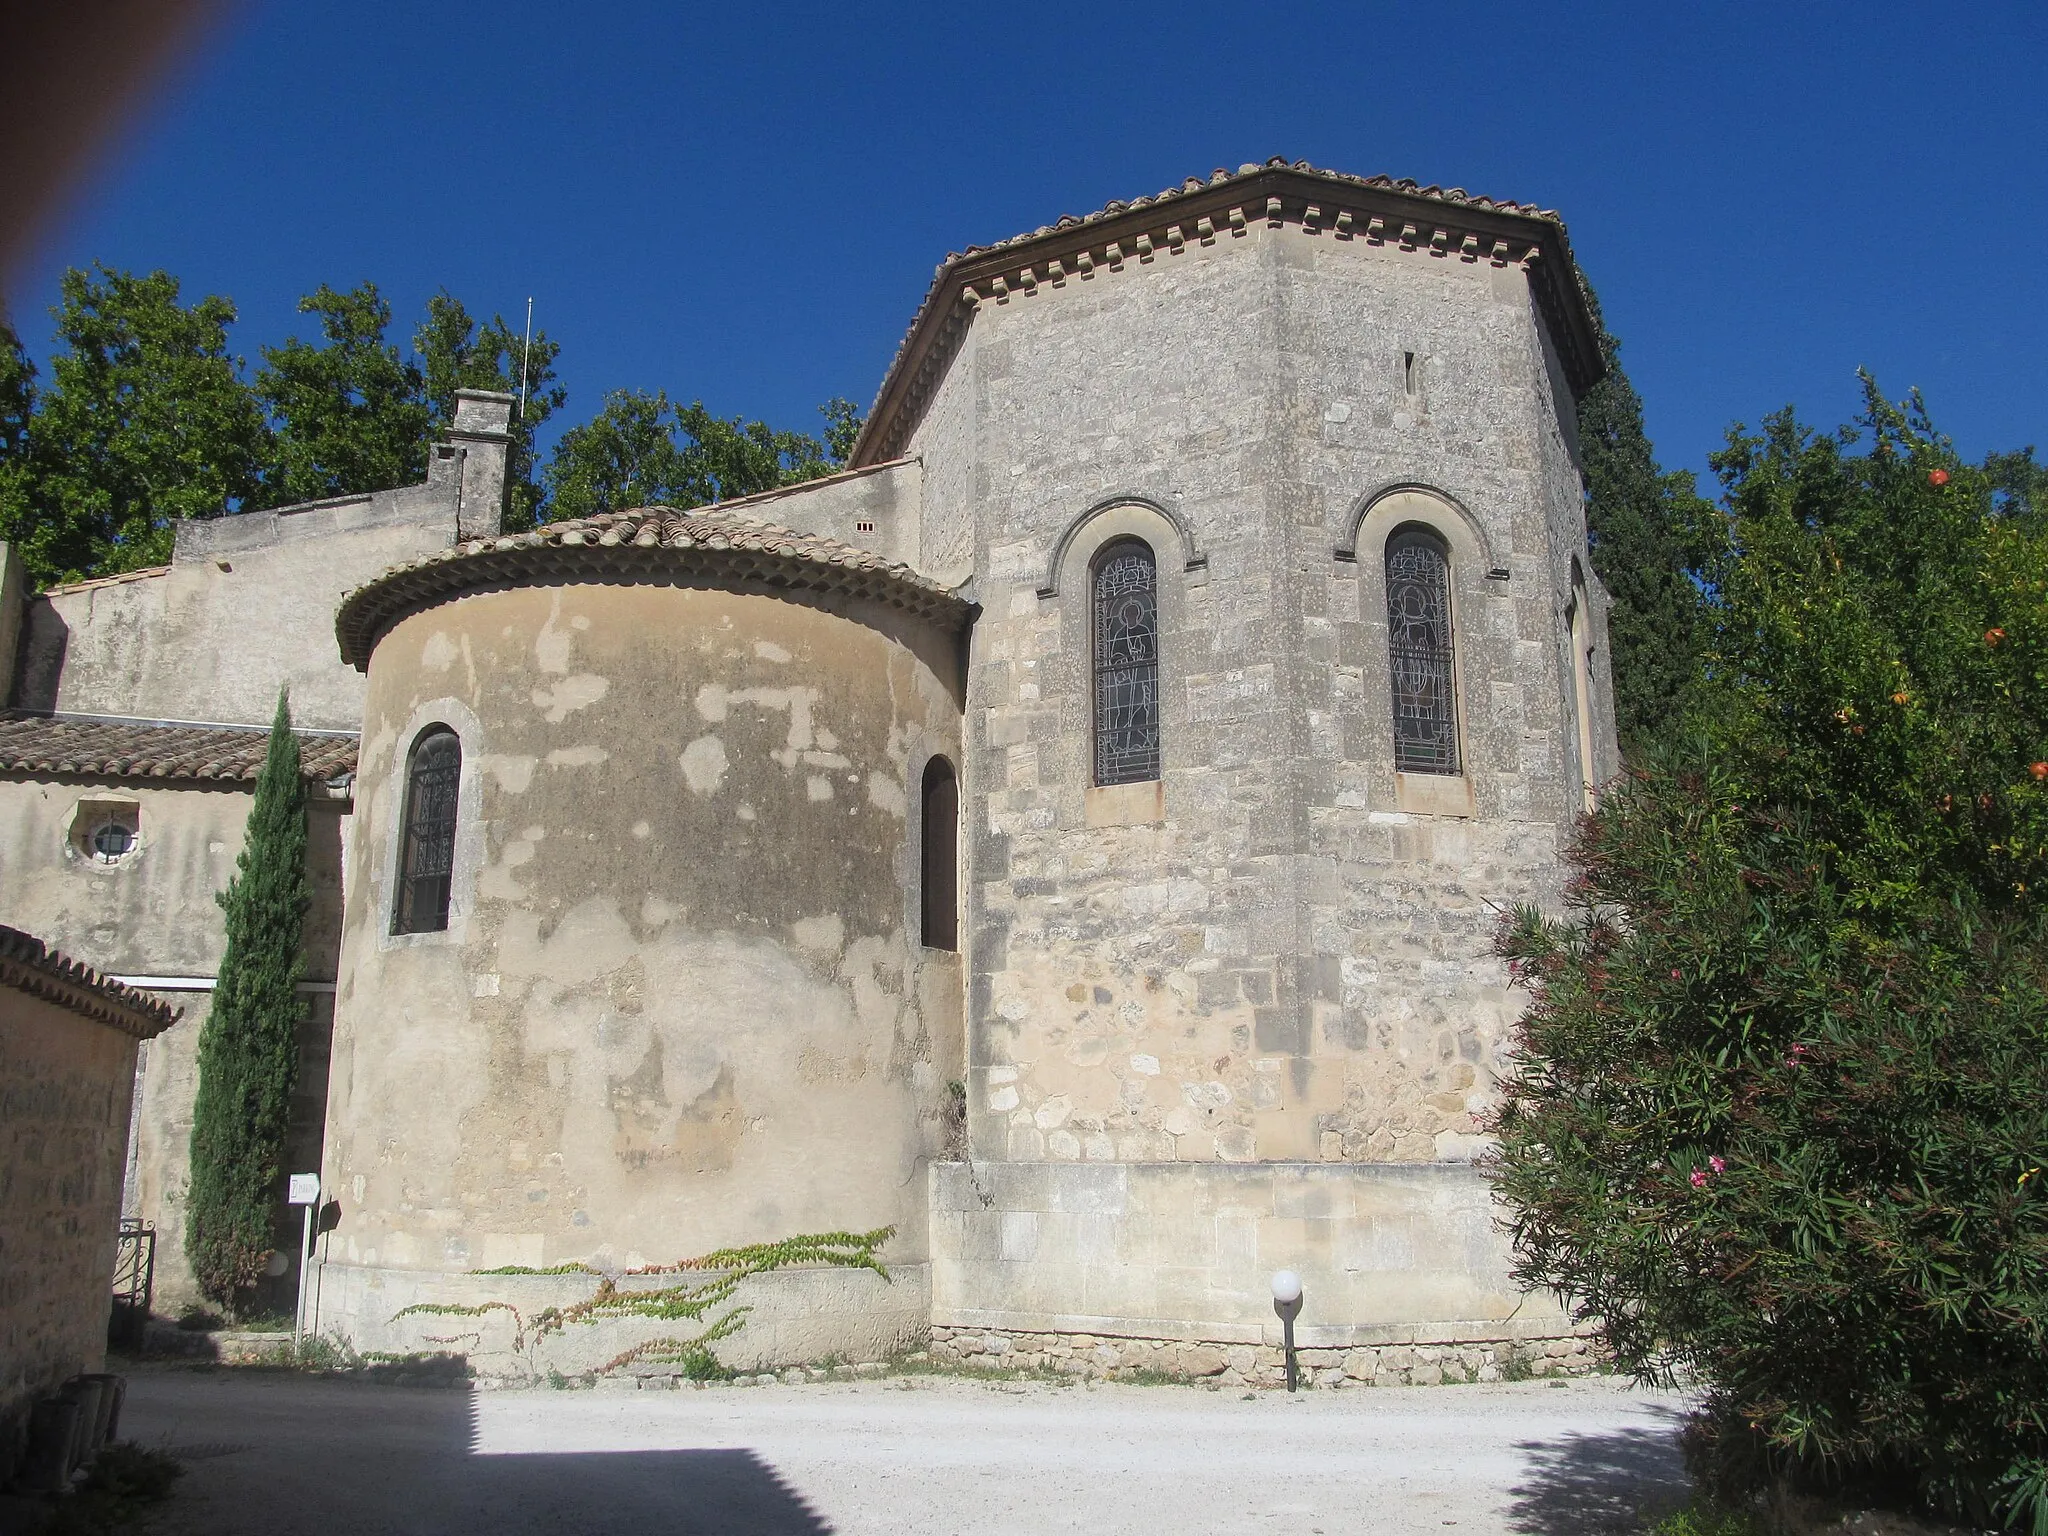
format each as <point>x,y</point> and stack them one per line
<point>1221,555</point>
<point>1290,675</point>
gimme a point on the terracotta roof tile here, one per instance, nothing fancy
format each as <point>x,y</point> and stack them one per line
<point>101,747</point>
<point>719,544</point>
<point>29,965</point>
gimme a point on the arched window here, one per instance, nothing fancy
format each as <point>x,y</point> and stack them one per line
<point>941,883</point>
<point>1126,603</point>
<point>1419,650</point>
<point>426,856</point>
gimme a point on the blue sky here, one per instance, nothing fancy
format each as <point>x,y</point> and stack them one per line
<point>745,203</point>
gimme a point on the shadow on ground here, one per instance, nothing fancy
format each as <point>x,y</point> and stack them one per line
<point>1594,1485</point>
<point>275,1459</point>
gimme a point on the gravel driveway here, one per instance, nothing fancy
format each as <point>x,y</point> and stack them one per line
<point>278,1455</point>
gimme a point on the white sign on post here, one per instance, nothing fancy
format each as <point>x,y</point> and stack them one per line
<point>305,1190</point>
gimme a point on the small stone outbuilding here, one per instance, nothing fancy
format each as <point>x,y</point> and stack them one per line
<point>68,1039</point>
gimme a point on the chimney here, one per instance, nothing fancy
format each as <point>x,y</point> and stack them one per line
<point>479,442</point>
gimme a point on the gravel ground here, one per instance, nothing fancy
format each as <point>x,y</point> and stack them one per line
<point>270,1454</point>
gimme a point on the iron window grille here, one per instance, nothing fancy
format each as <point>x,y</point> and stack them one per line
<point>426,864</point>
<point>1126,604</point>
<point>1419,647</point>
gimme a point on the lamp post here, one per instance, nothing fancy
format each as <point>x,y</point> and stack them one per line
<point>1287,1302</point>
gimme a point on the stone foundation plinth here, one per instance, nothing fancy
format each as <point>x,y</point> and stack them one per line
<point>794,1317</point>
<point>1264,1365</point>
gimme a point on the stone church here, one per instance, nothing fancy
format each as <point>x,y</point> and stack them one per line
<point>1072,835</point>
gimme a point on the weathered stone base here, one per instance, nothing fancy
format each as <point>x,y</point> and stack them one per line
<point>1387,1254</point>
<point>797,1316</point>
<point>1263,1365</point>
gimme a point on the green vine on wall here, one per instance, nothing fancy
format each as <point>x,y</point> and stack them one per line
<point>690,1300</point>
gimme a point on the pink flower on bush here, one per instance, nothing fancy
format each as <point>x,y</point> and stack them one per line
<point>1718,1164</point>
<point>1699,1178</point>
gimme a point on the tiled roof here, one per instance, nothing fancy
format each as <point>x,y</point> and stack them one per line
<point>1275,192</point>
<point>713,546</point>
<point>115,580</point>
<point>29,965</point>
<point>141,749</point>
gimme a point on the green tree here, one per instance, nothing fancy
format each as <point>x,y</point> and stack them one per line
<point>145,420</point>
<point>455,352</point>
<point>248,1051</point>
<point>17,412</point>
<point>843,421</point>
<point>642,450</point>
<point>624,456</point>
<point>1638,521</point>
<point>349,414</point>
<point>1778,1113</point>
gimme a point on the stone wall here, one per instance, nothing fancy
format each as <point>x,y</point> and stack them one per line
<point>1112,1357</point>
<point>1285,951</point>
<point>1387,1254</point>
<point>246,603</point>
<point>65,1082</point>
<point>794,1317</point>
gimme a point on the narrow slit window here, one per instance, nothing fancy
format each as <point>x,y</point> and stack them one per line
<point>941,883</point>
<point>1419,652</point>
<point>1582,691</point>
<point>426,859</point>
<point>1408,372</point>
<point>1126,603</point>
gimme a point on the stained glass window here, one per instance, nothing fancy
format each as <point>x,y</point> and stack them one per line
<point>1126,664</point>
<point>1419,646</point>
<point>426,860</point>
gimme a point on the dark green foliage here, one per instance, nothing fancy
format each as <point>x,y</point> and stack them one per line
<point>843,421</point>
<point>457,353</point>
<point>248,1052</point>
<point>349,415</point>
<point>641,450</point>
<point>145,420</point>
<point>1637,522</point>
<point>17,410</point>
<point>1780,1110</point>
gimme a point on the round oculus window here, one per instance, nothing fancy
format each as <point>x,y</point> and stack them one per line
<point>112,839</point>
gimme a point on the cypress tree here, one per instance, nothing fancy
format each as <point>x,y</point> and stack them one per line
<point>1638,522</point>
<point>248,1051</point>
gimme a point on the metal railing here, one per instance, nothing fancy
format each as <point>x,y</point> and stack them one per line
<point>134,1283</point>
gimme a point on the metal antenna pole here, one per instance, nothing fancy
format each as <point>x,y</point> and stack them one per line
<point>525,352</point>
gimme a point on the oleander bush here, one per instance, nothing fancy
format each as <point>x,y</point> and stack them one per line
<point>1778,1116</point>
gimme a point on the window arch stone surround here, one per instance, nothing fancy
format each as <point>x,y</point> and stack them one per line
<point>1122,516</point>
<point>1475,580</point>
<point>1376,515</point>
<point>453,715</point>
<point>1070,585</point>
